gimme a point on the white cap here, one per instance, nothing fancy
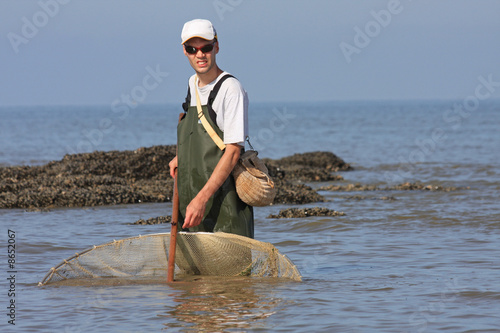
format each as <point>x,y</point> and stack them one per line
<point>198,28</point>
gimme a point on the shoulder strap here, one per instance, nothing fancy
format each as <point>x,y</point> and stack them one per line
<point>212,96</point>
<point>216,89</point>
<point>187,102</point>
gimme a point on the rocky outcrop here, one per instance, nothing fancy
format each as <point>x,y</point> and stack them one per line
<point>142,175</point>
<point>305,212</point>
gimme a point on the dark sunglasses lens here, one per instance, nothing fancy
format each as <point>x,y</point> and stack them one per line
<point>207,48</point>
<point>190,49</point>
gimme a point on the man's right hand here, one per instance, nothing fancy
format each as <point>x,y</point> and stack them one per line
<point>173,166</point>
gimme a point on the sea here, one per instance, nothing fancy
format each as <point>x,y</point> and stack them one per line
<point>397,261</point>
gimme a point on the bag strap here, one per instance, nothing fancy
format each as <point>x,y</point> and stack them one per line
<point>218,141</point>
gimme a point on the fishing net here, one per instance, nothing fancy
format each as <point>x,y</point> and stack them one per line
<point>146,258</point>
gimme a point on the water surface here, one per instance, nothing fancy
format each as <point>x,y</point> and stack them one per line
<point>424,261</point>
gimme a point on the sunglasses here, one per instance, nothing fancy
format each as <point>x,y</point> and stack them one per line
<point>204,49</point>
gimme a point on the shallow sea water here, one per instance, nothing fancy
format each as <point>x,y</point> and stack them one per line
<point>398,261</point>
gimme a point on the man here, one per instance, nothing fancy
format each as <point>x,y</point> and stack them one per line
<point>207,196</point>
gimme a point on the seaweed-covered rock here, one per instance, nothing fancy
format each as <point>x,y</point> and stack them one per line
<point>307,167</point>
<point>155,220</point>
<point>305,212</point>
<point>322,160</point>
<point>289,174</point>
<point>91,179</point>
<point>142,175</point>
<point>401,187</point>
<point>289,193</point>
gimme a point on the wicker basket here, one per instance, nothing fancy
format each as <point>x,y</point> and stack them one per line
<point>253,184</point>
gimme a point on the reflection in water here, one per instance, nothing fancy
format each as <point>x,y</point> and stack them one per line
<point>220,303</point>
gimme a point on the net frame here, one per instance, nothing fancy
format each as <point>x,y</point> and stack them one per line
<point>145,257</point>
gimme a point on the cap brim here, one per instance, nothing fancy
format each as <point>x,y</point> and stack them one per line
<point>197,36</point>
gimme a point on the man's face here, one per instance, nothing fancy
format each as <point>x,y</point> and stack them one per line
<point>202,62</point>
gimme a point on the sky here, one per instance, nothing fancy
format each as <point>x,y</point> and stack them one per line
<point>86,52</point>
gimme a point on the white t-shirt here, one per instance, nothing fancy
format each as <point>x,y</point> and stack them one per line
<point>230,105</point>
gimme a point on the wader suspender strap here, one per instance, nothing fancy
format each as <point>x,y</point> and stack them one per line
<point>211,98</point>
<point>218,141</point>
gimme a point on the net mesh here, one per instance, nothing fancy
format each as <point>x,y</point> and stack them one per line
<point>146,257</point>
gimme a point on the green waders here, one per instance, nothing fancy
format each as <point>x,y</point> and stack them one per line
<point>197,157</point>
